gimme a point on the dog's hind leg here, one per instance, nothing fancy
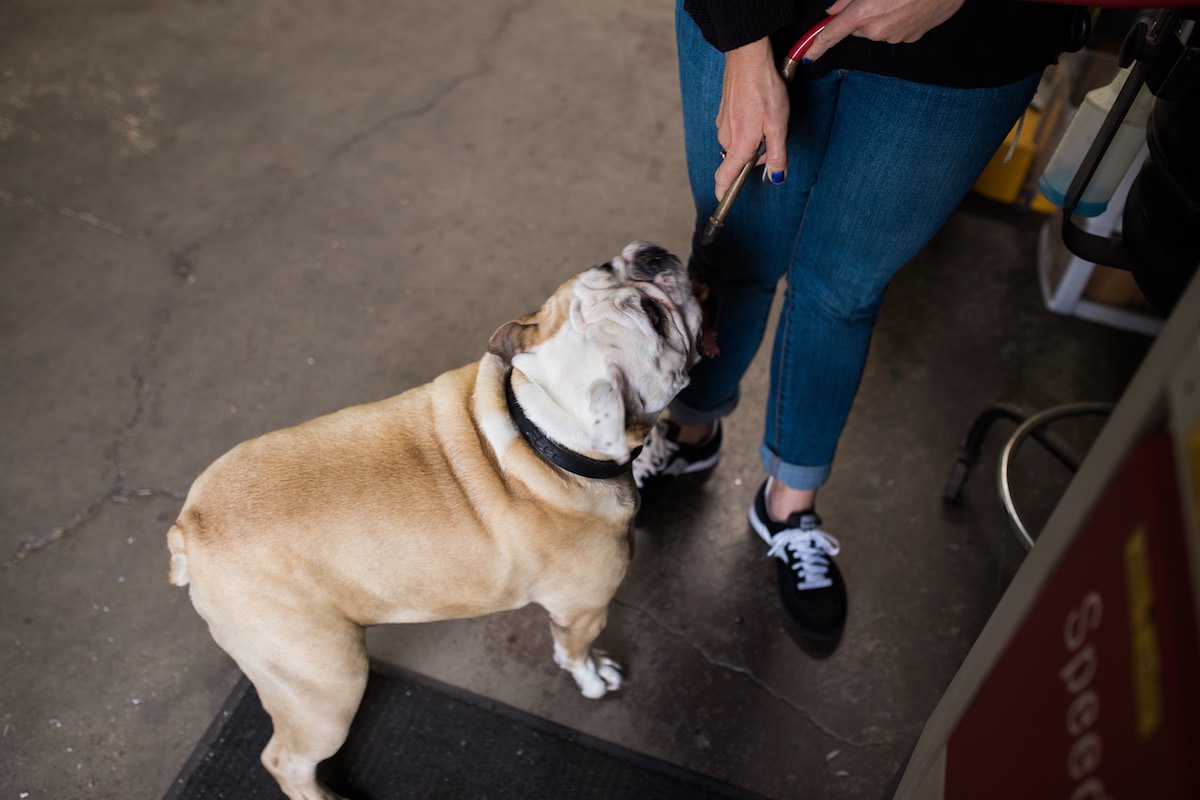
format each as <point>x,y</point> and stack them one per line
<point>574,632</point>
<point>312,694</point>
<point>310,675</point>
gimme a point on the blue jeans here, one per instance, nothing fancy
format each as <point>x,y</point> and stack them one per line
<point>876,165</point>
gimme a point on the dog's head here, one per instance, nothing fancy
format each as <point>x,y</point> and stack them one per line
<point>608,351</point>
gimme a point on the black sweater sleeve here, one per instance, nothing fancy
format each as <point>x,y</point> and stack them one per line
<point>729,24</point>
<point>986,43</point>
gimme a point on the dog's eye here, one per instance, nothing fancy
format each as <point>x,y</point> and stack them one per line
<point>653,313</point>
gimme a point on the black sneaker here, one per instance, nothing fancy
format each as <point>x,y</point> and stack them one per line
<point>663,457</point>
<point>810,584</point>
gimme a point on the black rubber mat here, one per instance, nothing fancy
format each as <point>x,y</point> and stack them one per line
<point>413,738</point>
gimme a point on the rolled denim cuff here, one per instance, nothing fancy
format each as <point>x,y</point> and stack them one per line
<point>685,415</point>
<point>797,476</point>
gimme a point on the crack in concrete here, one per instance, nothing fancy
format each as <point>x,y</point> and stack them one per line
<point>26,201</point>
<point>140,384</point>
<point>120,493</point>
<point>483,64</point>
<point>179,260</point>
<point>754,679</point>
<point>183,259</point>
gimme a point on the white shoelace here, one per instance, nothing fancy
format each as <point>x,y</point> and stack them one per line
<point>655,454</point>
<point>810,550</point>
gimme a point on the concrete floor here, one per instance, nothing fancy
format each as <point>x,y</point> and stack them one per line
<point>218,219</point>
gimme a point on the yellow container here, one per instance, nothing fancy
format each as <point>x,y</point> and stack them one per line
<point>1005,180</point>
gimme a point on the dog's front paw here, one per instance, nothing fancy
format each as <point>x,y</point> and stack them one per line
<point>610,672</point>
<point>598,676</point>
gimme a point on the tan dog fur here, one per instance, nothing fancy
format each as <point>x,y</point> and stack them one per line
<point>430,505</point>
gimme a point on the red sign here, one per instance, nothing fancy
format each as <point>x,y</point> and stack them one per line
<point>1096,696</point>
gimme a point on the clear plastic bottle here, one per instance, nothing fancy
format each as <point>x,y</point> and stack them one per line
<point>1082,131</point>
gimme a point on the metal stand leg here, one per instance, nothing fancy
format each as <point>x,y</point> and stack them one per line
<point>1031,427</point>
<point>968,451</point>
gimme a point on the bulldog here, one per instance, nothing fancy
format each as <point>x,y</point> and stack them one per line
<point>499,484</point>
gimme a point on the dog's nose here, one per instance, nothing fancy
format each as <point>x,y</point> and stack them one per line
<point>649,260</point>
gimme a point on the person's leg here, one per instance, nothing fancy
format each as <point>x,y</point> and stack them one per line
<point>900,158</point>
<point>743,266</point>
<point>752,253</point>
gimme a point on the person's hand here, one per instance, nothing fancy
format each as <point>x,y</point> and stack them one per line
<point>891,21</point>
<point>754,107</point>
<point>754,100</point>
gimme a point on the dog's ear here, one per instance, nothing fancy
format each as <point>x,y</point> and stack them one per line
<point>527,332</point>
<point>606,409</point>
<point>617,416</point>
<point>514,337</point>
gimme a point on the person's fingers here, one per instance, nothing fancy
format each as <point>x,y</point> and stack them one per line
<point>775,162</point>
<point>825,40</point>
<point>731,166</point>
<point>837,29</point>
<point>770,152</point>
<point>891,21</point>
<point>774,173</point>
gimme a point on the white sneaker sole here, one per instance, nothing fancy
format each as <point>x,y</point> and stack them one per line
<point>699,466</point>
<point>759,527</point>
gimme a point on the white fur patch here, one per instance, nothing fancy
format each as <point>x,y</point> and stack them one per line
<point>595,674</point>
<point>498,430</point>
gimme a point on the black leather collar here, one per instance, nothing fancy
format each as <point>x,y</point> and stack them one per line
<point>555,453</point>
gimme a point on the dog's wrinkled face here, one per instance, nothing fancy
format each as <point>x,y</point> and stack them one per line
<point>640,307</point>
<point>623,333</point>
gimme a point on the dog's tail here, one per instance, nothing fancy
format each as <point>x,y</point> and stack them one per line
<point>177,544</point>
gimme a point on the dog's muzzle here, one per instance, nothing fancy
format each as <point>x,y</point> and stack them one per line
<point>649,261</point>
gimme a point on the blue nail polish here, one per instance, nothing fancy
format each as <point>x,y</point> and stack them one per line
<point>806,60</point>
<point>777,178</point>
